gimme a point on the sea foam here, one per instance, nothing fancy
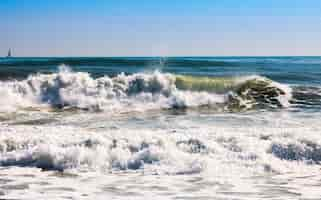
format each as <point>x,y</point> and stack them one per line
<point>141,91</point>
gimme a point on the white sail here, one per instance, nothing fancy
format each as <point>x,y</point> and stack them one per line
<point>9,53</point>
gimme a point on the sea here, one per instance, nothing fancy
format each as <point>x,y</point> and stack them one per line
<point>238,128</point>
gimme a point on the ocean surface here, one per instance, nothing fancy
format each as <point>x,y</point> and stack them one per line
<point>160,127</point>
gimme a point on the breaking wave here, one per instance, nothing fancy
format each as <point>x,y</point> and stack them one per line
<point>141,91</point>
<point>120,151</point>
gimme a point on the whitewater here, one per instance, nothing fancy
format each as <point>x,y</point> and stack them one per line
<point>163,131</point>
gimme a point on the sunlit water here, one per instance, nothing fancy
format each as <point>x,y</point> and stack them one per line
<point>104,135</point>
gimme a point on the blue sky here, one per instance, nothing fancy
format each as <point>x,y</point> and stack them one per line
<point>160,28</point>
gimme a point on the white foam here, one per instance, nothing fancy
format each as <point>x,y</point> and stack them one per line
<point>136,92</point>
<point>79,89</point>
<point>212,152</point>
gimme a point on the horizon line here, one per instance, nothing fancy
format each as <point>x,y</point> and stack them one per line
<point>178,56</point>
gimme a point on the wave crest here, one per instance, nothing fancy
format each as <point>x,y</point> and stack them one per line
<point>142,91</point>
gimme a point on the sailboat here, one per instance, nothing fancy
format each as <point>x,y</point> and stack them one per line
<point>9,54</point>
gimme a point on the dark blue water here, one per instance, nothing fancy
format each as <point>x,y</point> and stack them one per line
<point>290,70</point>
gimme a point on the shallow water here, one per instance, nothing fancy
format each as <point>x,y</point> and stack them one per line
<point>73,139</point>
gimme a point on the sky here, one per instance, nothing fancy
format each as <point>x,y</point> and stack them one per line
<point>160,27</point>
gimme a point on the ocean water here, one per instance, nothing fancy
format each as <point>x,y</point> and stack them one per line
<point>162,128</point>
